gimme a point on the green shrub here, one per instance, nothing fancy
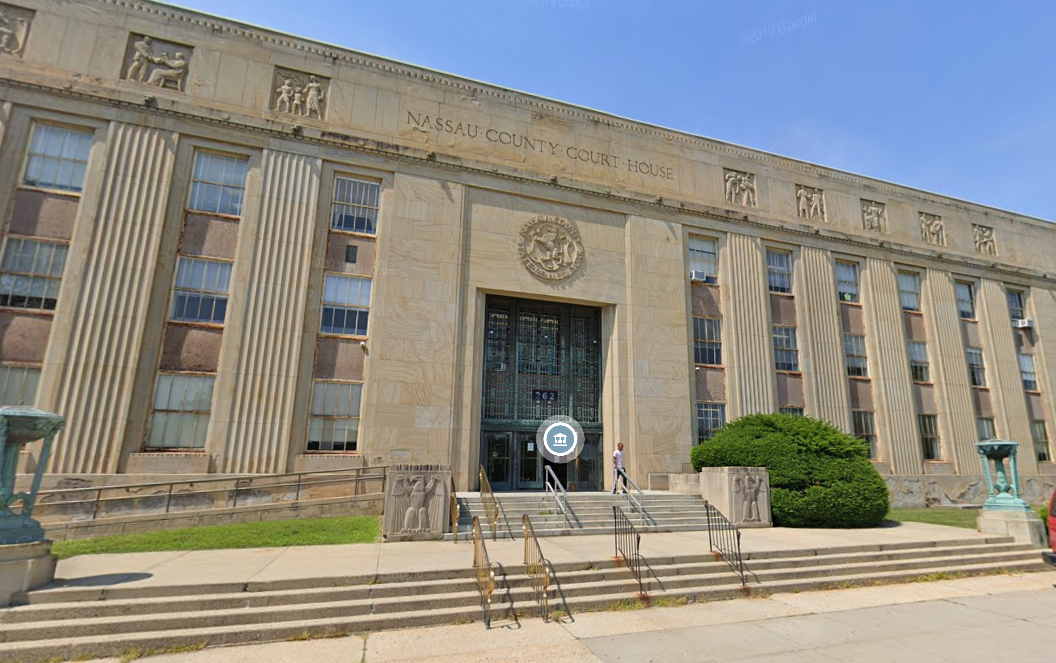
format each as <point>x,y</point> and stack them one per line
<point>819,476</point>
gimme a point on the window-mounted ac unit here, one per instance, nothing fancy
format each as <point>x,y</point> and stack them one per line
<point>698,276</point>
<point>1023,323</point>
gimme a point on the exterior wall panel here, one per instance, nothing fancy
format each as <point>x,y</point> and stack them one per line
<point>824,375</point>
<point>747,333</point>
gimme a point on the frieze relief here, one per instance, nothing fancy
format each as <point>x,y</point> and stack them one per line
<point>874,216</point>
<point>932,230</point>
<point>14,29</point>
<point>299,94</point>
<point>810,203</point>
<point>740,187</point>
<point>550,247</point>
<point>984,240</point>
<point>157,63</point>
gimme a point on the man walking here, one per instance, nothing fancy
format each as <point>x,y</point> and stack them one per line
<point>617,467</point>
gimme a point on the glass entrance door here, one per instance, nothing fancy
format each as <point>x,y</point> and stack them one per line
<point>530,470</point>
<point>497,465</point>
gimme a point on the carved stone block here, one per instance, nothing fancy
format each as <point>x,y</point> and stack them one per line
<point>932,230</point>
<point>742,494</point>
<point>984,240</point>
<point>874,216</point>
<point>298,94</point>
<point>739,187</point>
<point>810,203</point>
<point>156,63</point>
<point>416,502</point>
<point>14,29</point>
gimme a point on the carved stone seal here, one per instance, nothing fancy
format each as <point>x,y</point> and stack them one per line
<point>550,247</point>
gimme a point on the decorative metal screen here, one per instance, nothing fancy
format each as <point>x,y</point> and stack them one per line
<point>540,360</point>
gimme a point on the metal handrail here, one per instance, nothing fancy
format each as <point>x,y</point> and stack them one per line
<point>560,494</point>
<point>485,574</point>
<point>633,502</point>
<point>627,544</point>
<point>538,567</point>
<point>490,503</point>
<point>453,511</point>
<point>724,540</point>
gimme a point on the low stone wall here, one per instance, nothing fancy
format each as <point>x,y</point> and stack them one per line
<point>912,492</point>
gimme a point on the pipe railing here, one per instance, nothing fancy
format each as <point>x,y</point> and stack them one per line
<point>485,574</point>
<point>538,567</point>
<point>724,540</point>
<point>554,485</point>
<point>453,511</point>
<point>489,503</point>
<point>627,544</point>
<point>636,501</point>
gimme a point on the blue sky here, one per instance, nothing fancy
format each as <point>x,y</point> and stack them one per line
<point>956,97</point>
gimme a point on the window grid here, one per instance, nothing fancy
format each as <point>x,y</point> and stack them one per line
<point>1016,304</point>
<point>354,207</point>
<point>847,281</point>
<point>1027,372</point>
<point>909,290</point>
<point>18,385</point>
<point>919,368</point>
<point>928,426</point>
<point>786,354</point>
<point>704,257</point>
<point>865,428</point>
<point>217,184</point>
<point>965,299</point>
<point>794,411</point>
<point>200,293</point>
<point>976,370</point>
<point>710,418</point>
<point>854,355</point>
<point>779,271</point>
<point>334,423</point>
<point>346,305</point>
<point>1041,439</point>
<point>182,403</point>
<point>31,273</point>
<point>984,427</point>
<point>57,157</point>
<point>707,341</point>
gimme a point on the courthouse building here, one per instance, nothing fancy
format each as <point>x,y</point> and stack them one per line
<point>229,250</point>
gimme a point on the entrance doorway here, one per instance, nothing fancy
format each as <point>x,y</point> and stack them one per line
<point>513,462</point>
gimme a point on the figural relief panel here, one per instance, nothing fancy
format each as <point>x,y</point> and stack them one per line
<point>984,240</point>
<point>874,215</point>
<point>550,247</point>
<point>157,63</point>
<point>810,203</point>
<point>299,94</point>
<point>740,187</point>
<point>932,230</point>
<point>14,29</point>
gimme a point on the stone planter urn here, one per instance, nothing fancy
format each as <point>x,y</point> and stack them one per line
<point>1004,512</point>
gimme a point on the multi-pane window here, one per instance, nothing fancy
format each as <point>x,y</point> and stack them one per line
<point>794,411</point>
<point>847,281</point>
<point>854,357</point>
<point>984,427</point>
<point>31,273</point>
<point>1016,304</point>
<point>710,418</point>
<point>865,428</point>
<point>919,368</point>
<point>786,353</point>
<point>18,385</point>
<point>1041,439</point>
<point>57,157</point>
<point>704,257</point>
<point>909,290</point>
<point>779,271</point>
<point>346,305</point>
<point>181,411</point>
<point>965,299</point>
<point>707,341</point>
<point>217,184</point>
<point>1027,372</point>
<point>976,371</point>
<point>334,424</point>
<point>355,205</point>
<point>201,290</point>
<point>929,436</point>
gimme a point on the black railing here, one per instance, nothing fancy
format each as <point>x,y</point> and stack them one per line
<point>724,540</point>
<point>627,540</point>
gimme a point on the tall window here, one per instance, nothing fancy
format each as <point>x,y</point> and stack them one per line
<point>18,385</point>
<point>707,341</point>
<point>854,357</point>
<point>57,157</point>
<point>919,368</point>
<point>31,273</point>
<point>1016,304</point>
<point>217,184</point>
<point>965,299</point>
<point>346,305</point>
<point>201,290</point>
<point>355,205</point>
<point>786,353</point>
<point>1026,371</point>
<point>779,271</point>
<point>865,428</point>
<point>976,371</point>
<point>984,426</point>
<point>929,436</point>
<point>182,404</point>
<point>847,281</point>
<point>909,290</point>
<point>1041,439</point>
<point>334,424</point>
<point>794,411</point>
<point>710,418</point>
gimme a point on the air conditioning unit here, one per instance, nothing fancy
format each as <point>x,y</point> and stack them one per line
<point>699,276</point>
<point>1023,323</point>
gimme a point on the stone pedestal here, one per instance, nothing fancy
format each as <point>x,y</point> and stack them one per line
<point>417,503</point>
<point>1023,526</point>
<point>24,566</point>
<point>742,494</point>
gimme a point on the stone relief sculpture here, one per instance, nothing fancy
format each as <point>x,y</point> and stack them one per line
<point>149,63</point>
<point>749,489</point>
<point>550,247</point>
<point>740,187</point>
<point>418,494</point>
<point>296,93</point>
<point>874,216</point>
<point>14,29</point>
<point>417,505</point>
<point>931,229</point>
<point>810,203</point>
<point>984,240</point>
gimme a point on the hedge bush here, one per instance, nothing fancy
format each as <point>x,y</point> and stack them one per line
<point>819,476</point>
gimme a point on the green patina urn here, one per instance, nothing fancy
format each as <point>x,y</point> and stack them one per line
<point>18,427</point>
<point>1001,486</point>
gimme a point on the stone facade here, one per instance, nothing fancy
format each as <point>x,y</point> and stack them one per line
<point>419,185</point>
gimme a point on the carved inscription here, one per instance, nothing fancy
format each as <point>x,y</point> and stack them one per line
<point>810,203</point>
<point>932,230</point>
<point>300,94</point>
<point>14,29</point>
<point>874,216</point>
<point>550,247</point>
<point>984,240</point>
<point>157,63</point>
<point>740,187</point>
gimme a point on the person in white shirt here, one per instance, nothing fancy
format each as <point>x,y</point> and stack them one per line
<point>617,466</point>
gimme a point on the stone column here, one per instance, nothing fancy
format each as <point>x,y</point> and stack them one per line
<point>98,330</point>
<point>824,375</point>
<point>748,337</point>
<point>1043,308</point>
<point>249,430</point>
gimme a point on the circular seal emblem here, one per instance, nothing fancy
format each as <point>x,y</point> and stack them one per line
<point>550,247</point>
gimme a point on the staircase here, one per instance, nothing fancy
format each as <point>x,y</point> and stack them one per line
<point>83,622</point>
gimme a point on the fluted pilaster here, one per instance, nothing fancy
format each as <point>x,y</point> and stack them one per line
<point>749,352</point>
<point>824,375</point>
<point>1043,308</point>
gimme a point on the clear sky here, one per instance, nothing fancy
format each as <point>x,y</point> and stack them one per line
<point>956,97</point>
